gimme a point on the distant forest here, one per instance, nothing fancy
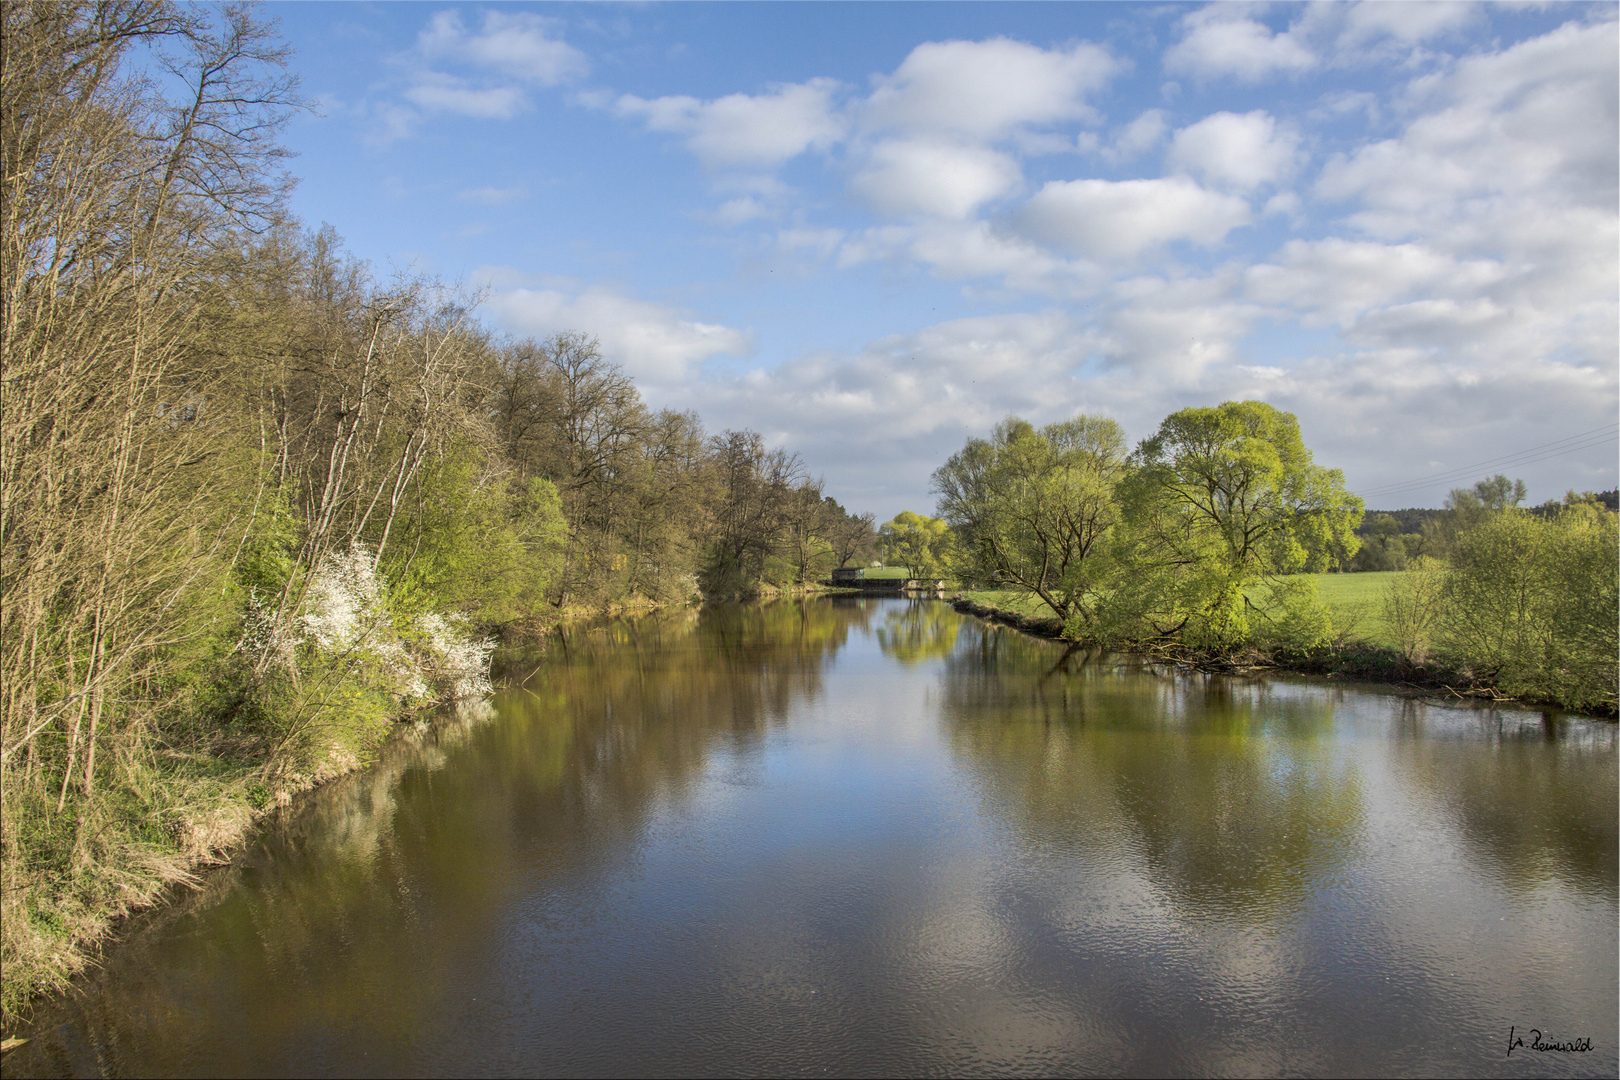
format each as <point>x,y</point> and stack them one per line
<point>1412,519</point>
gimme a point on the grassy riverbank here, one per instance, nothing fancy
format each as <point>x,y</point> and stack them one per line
<point>1354,602</point>
<point>1362,646</point>
<point>77,872</point>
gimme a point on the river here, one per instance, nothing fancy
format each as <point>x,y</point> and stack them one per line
<point>873,836</point>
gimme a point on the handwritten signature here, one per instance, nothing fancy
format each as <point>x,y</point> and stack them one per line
<point>1573,1046</point>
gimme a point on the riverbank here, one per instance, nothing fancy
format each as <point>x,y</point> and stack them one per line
<point>1355,660</point>
<point>190,811</point>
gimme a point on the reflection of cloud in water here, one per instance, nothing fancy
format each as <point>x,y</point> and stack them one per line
<point>842,836</point>
<point>1532,797</point>
<point>1229,796</point>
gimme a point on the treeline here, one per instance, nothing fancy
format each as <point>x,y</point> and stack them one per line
<point>1201,539</point>
<point>253,499</point>
<point>1395,539</point>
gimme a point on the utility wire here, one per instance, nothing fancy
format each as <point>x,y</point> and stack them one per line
<point>1557,448</point>
<point>1468,474</point>
<point>1527,458</point>
<point>1505,458</point>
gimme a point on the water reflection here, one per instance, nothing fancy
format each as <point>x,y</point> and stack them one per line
<point>916,630</point>
<point>1232,796</point>
<point>872,836</point>
<point>1532,797</point>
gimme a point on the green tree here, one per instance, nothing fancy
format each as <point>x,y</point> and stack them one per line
<point>1221,499</point>
<point>1033,508</point>
<point>1383,545</point>
<point>1467,509</point>
<point>921,544</point>
<point>1533,605</point>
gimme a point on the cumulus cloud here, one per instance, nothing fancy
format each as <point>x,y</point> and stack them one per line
<point>514,44</point>
<point>746,130</point>
<point>654,343</point>
<point>879,420</point>
<point>1404,23</point>
<point>1236,151</point>
<point>439,93</point>
<point>497,66</point>
<point>1140,135</point>
<point>1122,219</point>
<point>970,250</point>
<point>1220,40</point>
<point>1336,281</point>
<point>987,89</point>
<point>1503,124</point>
<point>933,178</point>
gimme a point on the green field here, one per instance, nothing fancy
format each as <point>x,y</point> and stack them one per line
<point>1357,603</point>
<point>886,573</point>
<point>1009,600</point>
<point>1355,600</point>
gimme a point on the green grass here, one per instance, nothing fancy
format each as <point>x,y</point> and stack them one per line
<point>1357,603</point>
<point>1355,600</point>
<point>887,573</point>
<point>1010,600</point>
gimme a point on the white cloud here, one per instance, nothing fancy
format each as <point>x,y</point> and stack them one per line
<point>1219,40</point>
<point>743,130</point>
<point>738,211</point>
<point>934,178</point>
<point>1121,220</point>
<point>654,343</point>
<point>1537,119</point>
<point>1511,170</point>
<point>438,93</point>
<point>1236,151</point>
<point>493,196</point>
<point>878,421</point>
<point>1404,23</point>
<point>1337,281</point>
<point>969,250</point>
<point>820,243</point>
<point>1140,135</point>
<point>987,89</point>
<point>515,44</point>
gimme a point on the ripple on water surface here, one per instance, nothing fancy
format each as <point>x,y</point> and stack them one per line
<point>870,837</point>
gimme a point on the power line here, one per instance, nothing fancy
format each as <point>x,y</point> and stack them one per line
<point>1514,462</point>
<point>1505,458</point>
<point>1470,473</point>
<point>1559,447</point>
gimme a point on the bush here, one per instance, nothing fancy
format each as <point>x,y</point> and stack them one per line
<point>1412,607</point>
<point>1533,605</point>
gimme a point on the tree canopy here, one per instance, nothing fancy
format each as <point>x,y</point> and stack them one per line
<point>919,543</point>
<point>1033,508</point>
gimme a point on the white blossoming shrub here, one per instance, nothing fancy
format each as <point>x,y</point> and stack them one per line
<point>345,615</point>
<point>457,664</point>
<point>344,599</point>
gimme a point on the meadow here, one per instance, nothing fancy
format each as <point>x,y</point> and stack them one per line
<point>1356,602</point>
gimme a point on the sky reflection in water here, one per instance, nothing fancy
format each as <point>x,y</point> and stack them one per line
<point>874,836</point>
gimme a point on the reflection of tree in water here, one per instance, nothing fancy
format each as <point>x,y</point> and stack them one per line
<point>918,630</point>
<point>1222,788</point>
<point>359,907</point>
<point>1532,797</point>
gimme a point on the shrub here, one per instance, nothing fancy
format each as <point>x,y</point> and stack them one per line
<point>1533,604</point>
<point>1412,608</point>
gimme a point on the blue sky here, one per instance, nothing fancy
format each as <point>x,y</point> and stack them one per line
<point>870,231</point>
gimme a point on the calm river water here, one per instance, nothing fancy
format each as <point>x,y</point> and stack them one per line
<point>872,837</point>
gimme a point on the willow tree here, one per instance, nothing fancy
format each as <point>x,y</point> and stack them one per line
<point>1220,500</point>
<point>1033,507</point>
